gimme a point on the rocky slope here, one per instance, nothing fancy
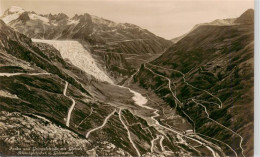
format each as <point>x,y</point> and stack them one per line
<point>116,46</point>
<point>208,76</point>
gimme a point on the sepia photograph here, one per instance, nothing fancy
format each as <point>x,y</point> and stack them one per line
<point>168,78</point>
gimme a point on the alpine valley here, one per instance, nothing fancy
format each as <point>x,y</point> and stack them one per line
<point>87,86</point>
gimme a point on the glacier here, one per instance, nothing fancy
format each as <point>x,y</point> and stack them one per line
<point>78,56</point>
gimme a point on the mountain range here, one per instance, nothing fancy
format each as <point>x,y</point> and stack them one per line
<point>105,88</point>
<point>114,45</point>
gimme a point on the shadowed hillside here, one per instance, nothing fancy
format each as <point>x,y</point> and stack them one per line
<point>210,73</point>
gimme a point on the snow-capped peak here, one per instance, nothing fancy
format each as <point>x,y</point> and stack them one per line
<point>222,22</point>
<point>12,13</point>
<point>101,21</point>
<point>15,9</point>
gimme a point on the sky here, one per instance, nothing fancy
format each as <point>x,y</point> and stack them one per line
<point>165,18</point>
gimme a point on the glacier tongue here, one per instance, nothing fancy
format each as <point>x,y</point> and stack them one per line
<point>78,56</point>
<point>81,58</point>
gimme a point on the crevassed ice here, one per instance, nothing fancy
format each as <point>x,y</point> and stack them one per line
<point>78,56</point>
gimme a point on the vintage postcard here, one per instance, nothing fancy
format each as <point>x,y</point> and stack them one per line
<point>127,78</point>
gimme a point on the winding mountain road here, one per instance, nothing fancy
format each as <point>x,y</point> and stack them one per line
<point>152,142</point>
<point>71,107</point>
<point>101,126</point>
<point>16,74</point>
<point>184,80</point>
<point>205,109</point>
<point>128,132</point>
<point>169,85</point>
<point>172,130</point>
<point>208,116</point>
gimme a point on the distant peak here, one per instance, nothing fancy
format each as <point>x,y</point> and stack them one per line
<point>12,13</point>
<point>15,9</point>
<point>249,10</point>
<point>246,18</point>
<point>59,16</point>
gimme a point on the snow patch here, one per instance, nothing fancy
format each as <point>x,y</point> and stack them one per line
<point>101,21</point>
<point>15,12</point>
<point>222,22</point>
<point>70,22</point>
<point>37,17</point>
<point>78,56</point>
<point>15,9</point>
<point>9,18</point>
<point>12,13</point>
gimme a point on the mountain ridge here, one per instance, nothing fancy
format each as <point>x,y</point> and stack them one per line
<point>246,18</point>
